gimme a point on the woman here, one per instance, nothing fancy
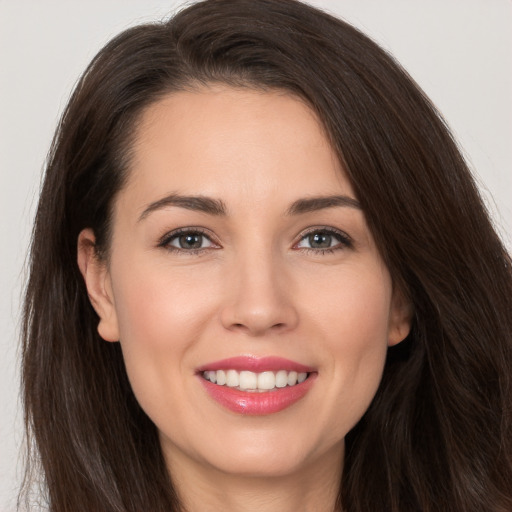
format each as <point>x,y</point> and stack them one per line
<point>262,279</point>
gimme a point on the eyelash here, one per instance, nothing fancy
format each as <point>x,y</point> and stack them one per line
<point>344,241</point>
<point>165,241</point>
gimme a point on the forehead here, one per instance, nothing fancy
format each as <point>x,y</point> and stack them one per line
<point>220,141</point>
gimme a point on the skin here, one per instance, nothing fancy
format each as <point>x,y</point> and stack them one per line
<point>257,287</point>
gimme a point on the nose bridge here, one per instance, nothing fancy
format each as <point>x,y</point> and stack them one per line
<point>260,299</point>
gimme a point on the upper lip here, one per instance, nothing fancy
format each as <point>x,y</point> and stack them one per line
<point>256,364</point>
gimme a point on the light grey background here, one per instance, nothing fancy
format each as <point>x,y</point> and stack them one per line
<point>458,50</point>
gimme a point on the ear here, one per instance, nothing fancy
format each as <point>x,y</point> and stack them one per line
<point>99,288</point>
<point>400,319</point>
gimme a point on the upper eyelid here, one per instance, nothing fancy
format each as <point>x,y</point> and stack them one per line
<point>327,229</point>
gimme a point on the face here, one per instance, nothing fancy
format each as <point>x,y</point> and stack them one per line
<point>240,254</point>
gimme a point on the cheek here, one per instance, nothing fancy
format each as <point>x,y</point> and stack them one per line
<point>161,315</point>
<point>355,320</point>
<point>157,306</point>
<point>355,311</point>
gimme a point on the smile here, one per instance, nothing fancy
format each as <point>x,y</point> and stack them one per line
<point>256,386</point>
<point>255,382</point>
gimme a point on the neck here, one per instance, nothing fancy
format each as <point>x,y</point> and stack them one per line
<point>202,488</point>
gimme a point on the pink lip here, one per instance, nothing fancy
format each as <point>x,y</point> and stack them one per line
<point>252,402</point>
<point>255,403</point>
<point>256,365</point>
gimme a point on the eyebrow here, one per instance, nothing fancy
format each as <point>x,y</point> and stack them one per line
<point>218,208</point>
<point>195,203</point>
<point>312,204</point>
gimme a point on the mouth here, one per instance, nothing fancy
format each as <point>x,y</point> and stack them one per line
<point>255,382</point>
<point>256,386</point>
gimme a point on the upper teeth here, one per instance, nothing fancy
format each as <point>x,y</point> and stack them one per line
<point>246,380</point>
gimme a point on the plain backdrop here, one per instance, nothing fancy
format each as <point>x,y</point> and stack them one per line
<point>459,51</point>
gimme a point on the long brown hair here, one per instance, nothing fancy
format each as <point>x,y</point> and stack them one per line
<point>438,435</point>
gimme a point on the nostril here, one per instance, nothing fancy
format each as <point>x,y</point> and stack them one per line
<point>256,318</point>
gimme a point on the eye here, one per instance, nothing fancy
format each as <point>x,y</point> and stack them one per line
<point>191,240</point>
<point>324,240</point>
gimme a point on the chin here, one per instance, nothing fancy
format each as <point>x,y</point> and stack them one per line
<point>259,465</point>
<point>273,456</point>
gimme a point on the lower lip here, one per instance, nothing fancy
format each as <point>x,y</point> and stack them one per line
<point>256,403</point>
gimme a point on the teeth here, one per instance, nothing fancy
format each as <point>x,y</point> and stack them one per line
<point>232,379</point>
<point>281,379</point>
<point>266,380</point>
<point>292,378</point>
<point>221,377</point>
<point>250,381</point>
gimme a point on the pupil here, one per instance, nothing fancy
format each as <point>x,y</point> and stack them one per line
<point>320,240</point>
<point>191,241</point>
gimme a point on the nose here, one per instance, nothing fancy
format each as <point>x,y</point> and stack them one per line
<point>259,300</point>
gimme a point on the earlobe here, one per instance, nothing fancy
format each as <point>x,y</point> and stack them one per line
<point>400,320</point>
<point>97,281</point>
